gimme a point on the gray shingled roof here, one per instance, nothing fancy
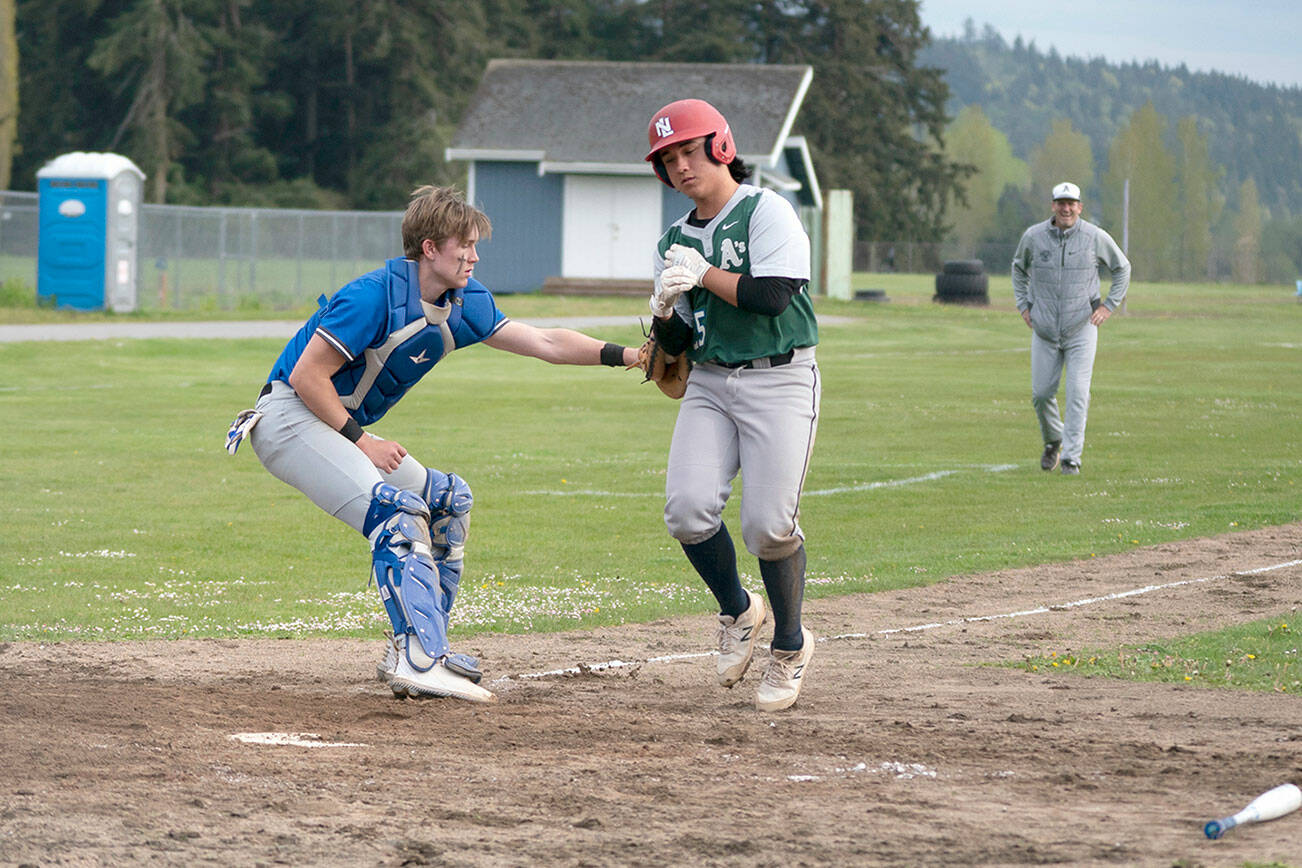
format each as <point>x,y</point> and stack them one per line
<point>597,112</point>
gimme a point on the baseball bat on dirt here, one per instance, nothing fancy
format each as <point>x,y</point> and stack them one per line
<point>1268,806</point>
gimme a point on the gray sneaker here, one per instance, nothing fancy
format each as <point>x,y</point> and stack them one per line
<point>1049,459</point>
<point>785,675</point>
<point>736,638</point>
<point>1070,468</point>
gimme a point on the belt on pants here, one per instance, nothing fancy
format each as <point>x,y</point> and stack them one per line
<point>766,362</point>
<point>266,390</point>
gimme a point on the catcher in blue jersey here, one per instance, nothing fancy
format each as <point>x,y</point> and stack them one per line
<point>352,361</point>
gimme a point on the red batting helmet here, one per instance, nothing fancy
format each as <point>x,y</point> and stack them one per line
<point>689,119</point>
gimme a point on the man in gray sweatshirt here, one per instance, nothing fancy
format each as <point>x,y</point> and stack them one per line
<point>1056,283</point>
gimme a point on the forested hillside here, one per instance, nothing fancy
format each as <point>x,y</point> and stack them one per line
<point>1213,161</point>
<point>1253,130</point>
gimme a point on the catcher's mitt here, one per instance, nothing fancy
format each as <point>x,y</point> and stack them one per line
<point>668,372</point>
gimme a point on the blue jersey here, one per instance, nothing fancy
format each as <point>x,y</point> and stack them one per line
<point>388,339</point>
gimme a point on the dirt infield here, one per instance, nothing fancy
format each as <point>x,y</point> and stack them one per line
<point>902,750</point>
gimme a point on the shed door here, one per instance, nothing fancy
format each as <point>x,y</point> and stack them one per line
<point>612,224</point>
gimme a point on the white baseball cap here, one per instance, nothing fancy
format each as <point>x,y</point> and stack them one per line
<point>1066,190</point>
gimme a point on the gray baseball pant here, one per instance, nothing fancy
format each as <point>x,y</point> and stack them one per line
<point>761,422</point>
<point>1075,352</point>
<point>299,449</point>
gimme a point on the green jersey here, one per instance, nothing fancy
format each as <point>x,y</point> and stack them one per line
<point>756,233</point>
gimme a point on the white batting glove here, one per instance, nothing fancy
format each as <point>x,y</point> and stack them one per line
<point>689,258</point>
<point>672,282</point>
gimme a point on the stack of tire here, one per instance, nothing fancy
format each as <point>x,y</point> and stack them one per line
<point>963,281</point>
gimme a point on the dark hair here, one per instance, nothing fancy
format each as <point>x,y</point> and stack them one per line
<point>737,168</point>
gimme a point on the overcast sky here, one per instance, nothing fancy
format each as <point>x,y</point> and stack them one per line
<point>1258,39</point>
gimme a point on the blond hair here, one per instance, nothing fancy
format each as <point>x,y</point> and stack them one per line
<point>439,213</point>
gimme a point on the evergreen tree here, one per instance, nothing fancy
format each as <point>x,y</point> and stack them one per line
<point>157,52</point>
<point>226,158</point>
<point>1138,155</point>
<point>874,117</point>
<point>75,104</point>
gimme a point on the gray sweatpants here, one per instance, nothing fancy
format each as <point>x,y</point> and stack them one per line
<point>1048,358</point>
<point>761,422</point>
<point>299,449</point>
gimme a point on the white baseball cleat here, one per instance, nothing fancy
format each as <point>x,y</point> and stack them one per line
<point>737,640</point>
<point>385,668</point>
<point>438,680</point>
<point>461,664</point>
<point>784,676</point>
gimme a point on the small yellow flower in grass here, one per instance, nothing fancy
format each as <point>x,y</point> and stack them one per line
<point>1135,541</point>
<point>1055,664</point>
<point>1188,678</point>
<point>1252,656</point>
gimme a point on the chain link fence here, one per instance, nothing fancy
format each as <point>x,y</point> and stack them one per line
<point>200,259</point>
<point>194,258</point>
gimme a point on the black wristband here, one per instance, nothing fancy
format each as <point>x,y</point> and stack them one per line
<point>612,355</point>
<point>352,430</point>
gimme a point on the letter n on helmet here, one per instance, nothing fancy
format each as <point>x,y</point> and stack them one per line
<point>687,119</point>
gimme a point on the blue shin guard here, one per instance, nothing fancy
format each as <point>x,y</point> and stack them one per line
<point>449,579</point>
<point>450,501</point>
<point>405,573</point>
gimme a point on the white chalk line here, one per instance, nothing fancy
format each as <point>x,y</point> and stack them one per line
<point>289,739</point>
<point>912,480</point>
<point>917,628</point>
<point>818,492</point>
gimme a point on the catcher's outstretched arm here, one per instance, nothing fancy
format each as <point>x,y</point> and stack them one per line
<point>558,346</point>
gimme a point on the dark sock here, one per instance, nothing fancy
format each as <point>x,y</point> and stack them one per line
<point>716,561</point>
<point>784,582</point>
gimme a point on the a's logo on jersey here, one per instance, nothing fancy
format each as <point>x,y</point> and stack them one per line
<point>419,359</point>
<point>730,254</point>
<point>664,127</point>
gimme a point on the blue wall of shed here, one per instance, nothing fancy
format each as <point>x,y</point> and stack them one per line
<point>527,214</point>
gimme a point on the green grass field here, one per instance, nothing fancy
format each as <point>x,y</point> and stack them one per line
<point>124,518</point>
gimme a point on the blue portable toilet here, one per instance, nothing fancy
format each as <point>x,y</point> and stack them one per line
<point>89,219</point>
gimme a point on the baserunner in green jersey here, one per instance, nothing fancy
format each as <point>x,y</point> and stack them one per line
<point>732,292</point>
